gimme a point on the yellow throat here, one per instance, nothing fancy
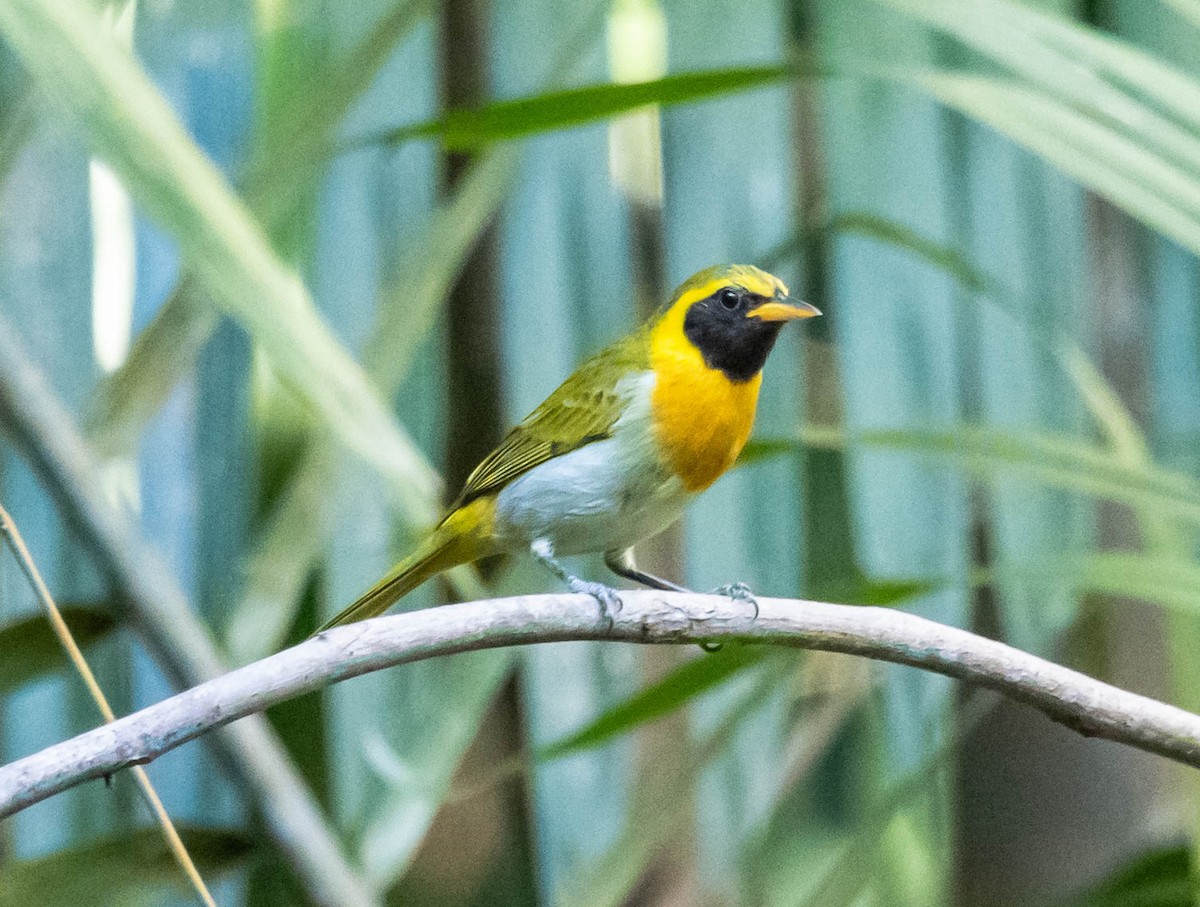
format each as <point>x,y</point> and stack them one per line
<point>702,418</point>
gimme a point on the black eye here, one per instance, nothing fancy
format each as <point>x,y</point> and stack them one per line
<point>729,298</point>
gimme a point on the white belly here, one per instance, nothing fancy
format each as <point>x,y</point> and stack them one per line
<point>588,500</point>
<point>605,496</point>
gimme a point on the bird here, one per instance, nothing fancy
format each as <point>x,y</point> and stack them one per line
<point>613,455</point>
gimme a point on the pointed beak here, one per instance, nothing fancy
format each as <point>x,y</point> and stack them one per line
<point>783,310</point>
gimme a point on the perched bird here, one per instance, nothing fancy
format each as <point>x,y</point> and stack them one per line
<point>613,455</point>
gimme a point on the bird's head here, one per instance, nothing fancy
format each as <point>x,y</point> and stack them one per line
<point>732,315</point>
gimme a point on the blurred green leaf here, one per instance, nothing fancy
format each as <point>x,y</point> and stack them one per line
<point>849,865</point>
<point>661,806</point>
<point>951,260</point>
<point>280,560</point>
<point>680,686</point>
<point>125,402</point>
<point>1172,582</point>
<point>168,347</point>
<point>464,130</point>
<point>946,258</point>
<point>128,123</point>
<point>856,588</point>
<point>33,649</point>
<point>1160,878</point>
<point>1127,441</point>
<point>1101,110</point>
<point>286,549</point>
<point>1096,72</point>
<point>757,449</point>
<point>121,870</point>
<point>17,119</point>
<point>1055,460</point>
<point>1161,536</point>
<point>432,262</point>
<point>288,161</point>
<point>1119,166</point>
<point>820,437</point>
<point>1189,9</point>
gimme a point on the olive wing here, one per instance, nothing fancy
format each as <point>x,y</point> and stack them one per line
<point>582,410</point>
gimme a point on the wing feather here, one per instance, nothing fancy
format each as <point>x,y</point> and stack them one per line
<point>582,410</point>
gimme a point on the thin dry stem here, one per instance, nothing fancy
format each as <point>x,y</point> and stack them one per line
<point>16,543</point>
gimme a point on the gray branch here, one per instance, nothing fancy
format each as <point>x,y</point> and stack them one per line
<point>1082,703</point>
<point>37,422</point>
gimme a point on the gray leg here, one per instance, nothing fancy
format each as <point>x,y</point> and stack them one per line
<point>621,563</point>
<point>610,602</point>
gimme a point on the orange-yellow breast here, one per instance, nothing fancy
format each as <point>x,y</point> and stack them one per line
<point>702,420</point>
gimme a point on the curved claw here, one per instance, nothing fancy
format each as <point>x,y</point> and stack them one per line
<point>610,602</point>
<point>738,592</point>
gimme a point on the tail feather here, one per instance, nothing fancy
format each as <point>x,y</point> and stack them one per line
<point>462,537</point>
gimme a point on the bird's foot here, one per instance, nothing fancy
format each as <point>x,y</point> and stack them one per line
<point>610,602</point>
<point>738,592</point>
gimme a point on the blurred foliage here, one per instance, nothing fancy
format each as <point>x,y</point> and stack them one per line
<point>465,130</point>
<point>997,205</point>
<point>1160,878</point>
<point>40,651</point>
<point>121,870</point>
